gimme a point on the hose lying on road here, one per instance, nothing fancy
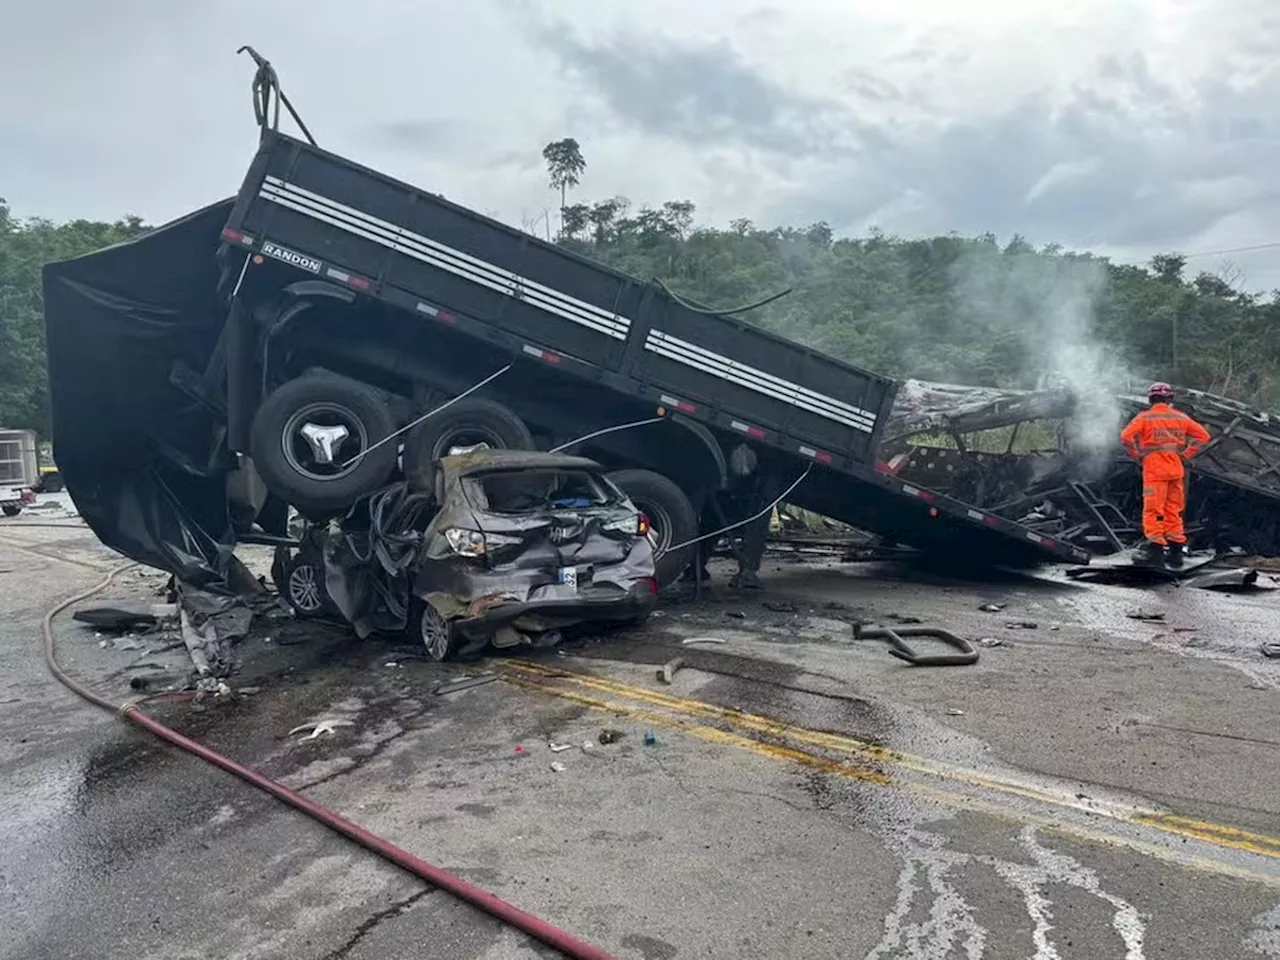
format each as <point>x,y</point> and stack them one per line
<point>131,710</point>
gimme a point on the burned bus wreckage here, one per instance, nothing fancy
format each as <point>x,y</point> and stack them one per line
<point>1018,454</point>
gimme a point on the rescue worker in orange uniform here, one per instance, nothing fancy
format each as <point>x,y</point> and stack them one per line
<point>1162,438</point>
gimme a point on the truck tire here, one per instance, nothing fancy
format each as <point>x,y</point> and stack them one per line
<point>470,421</point>
<point>12,509</point>
<point>316,474</point>
<point>671,518</point>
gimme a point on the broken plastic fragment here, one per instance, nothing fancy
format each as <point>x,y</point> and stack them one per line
<point>320,726</point>
<point>558,747</point>
<point>557,766</point>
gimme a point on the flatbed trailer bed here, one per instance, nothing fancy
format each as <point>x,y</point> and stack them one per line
<point>331,220</point>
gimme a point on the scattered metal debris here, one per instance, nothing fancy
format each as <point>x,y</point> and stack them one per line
<point>1145,615</point>
<point>1242,580</point>
<point>992,607</point>
<point>465,683</point>
<point>1022,625</point>
<point>991,642</point>
<point>691,640</point>
<point>558,747</point>
<point>611,736</point>
<point>557,767</point>
<point>1271,650</point>
<point>898,647</point>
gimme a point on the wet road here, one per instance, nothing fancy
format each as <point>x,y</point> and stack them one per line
<point>1096,787</point>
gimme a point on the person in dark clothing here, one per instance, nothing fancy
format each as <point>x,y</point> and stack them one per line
<point>750,490</point>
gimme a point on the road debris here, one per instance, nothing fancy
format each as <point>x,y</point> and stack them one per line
<point>991,642</point>
<point>649,739</point>
<point>898,647</point>
<point>667,671</point>
<point>464,683</point>
<point>558,747</point>
<point>608,736</point>
<point>318,727</point>
<point>1243,580</point>
<point>1022,625</point>
<point>557,767</point>
<point>1145,615</point>
<point>114,619</point>
<point>690,640</point>
<point>952,712</point>
<point>1271,650</point>
<point>992,607</point>
<point>779,606</point>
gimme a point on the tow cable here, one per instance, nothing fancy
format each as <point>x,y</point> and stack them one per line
<point>132,711</point>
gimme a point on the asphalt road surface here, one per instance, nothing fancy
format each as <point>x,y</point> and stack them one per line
<point>1096,787</point>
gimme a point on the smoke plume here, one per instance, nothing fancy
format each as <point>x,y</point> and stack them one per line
<point>1050,304</point>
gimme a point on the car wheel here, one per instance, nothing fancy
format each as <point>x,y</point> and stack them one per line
<point>672,519</point>
<point>313,442</point>
<point>435,632</point>
<point>304,589</point>
<point>469,422</point>
<point>11,509</point>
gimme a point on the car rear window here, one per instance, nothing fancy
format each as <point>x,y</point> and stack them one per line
<point>529,491</point>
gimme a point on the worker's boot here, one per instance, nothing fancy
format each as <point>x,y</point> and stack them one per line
<point>1152,553</point>
<point>1176,552</point>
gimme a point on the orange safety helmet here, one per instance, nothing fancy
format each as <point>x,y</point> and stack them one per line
<point>1160,391</point>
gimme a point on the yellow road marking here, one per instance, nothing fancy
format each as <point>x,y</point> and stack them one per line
<point>874,759</point>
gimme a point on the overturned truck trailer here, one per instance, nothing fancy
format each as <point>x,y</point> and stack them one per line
<point>967,441</point>
<point>286,344</point>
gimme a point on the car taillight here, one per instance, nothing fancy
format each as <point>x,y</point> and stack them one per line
<point>642,526</point>
<point>28,496</point>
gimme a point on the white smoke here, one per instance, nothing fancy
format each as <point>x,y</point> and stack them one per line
<point>1050,303</point>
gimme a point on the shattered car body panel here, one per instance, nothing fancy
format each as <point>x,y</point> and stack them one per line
<point>533,541</point>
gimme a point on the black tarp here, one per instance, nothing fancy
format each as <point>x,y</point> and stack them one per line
<point>138,452</point>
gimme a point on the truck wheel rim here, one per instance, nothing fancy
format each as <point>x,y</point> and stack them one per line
<point>304,588</point>
<point>435,633</point>
<point>300,453</point>
<point>659,526</point>
<point>466,435</point>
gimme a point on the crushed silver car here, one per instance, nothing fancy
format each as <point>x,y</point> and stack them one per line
<point>509,548</point>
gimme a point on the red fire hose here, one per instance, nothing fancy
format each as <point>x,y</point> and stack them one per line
<point>539,929</point>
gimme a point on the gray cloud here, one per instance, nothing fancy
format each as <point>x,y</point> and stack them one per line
<point>699,94</point>
<point>1124,161</point>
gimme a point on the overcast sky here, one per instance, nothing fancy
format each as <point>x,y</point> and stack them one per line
<point>1122,126</point>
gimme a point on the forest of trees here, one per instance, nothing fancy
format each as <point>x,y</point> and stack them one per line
<point>960,309</point>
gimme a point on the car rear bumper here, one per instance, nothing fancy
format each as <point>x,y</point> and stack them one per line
<point>636,603</point>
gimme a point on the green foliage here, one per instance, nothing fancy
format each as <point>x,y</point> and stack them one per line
<point>25,246</point>
<point>564,165</point>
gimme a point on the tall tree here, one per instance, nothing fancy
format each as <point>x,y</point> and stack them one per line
<point>564,167</point>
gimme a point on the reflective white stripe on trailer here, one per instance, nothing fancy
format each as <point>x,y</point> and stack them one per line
<point>443,257</point>
<point>691,355</point>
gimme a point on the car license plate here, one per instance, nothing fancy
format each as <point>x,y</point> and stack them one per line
<point>568,576</point>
